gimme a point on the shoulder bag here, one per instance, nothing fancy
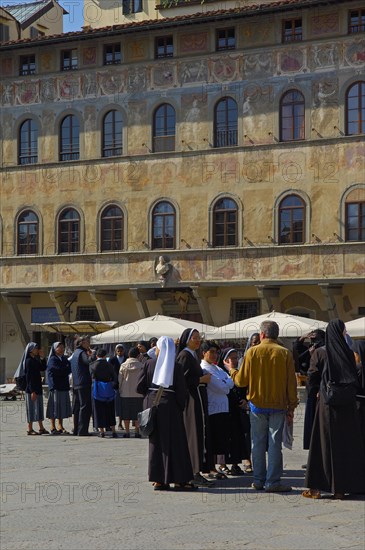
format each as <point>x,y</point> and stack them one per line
<point>103,391</point>
<point>147,418</point>
<point>336,394</point>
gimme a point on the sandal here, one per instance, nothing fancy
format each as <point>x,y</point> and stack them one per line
<point>237,471</point>
<point>311,493</point>
<point>185,487</point>
<point>338,496</point>
<point>223,470</point>
<point>32,432</point>
<point>247,468</point>
<point>43,431</point>
<point>55,432</point>
<point>218,475</point>
<point>63,431</point>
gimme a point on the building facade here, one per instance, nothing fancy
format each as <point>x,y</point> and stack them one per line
<point>207,165</point>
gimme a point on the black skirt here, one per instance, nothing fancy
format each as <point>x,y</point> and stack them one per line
<point>103,413</point>
<point>219,433</point>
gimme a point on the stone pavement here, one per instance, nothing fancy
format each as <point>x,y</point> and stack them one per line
<point>65,492</point>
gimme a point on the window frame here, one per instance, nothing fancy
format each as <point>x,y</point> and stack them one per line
<point>360,108</point>
<point>226,222</point>
<point>74,150</point>
<point>113,229</point>
<point>69,232</point>
<point>113,47</point>
<point>164,216</point>
<point>129,7</point>
<point>167,42</point>
<point>116,148</point>
<point>235,318</point>
<point>71,67</point>
<point>293,36</point>
<point>281,208</point>
<point>164,138</point>
<point>361,214</point>
<point>27,65</point>
<point>225,133</point>
<point>30,157</point>
<point>361,17</point>
<point>28,244</point>
<point>226,38</point>
<point>295,128</point>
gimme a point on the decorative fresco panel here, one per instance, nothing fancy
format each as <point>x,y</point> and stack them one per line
<point>194,42</point>
<point>325,24</point>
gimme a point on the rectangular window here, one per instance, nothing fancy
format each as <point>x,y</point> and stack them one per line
<point>292,30</point>
<point>34,32</point>
<point>357,21</point>
<point>87,313</point>
<point>355,221</point>
<point>225,39</point>
<point>244,309</point>
<point>112,54</point>
<point>132,6</point>
<point>4,33</point>
<point>164,47</point>
<point>44,315</point>
<point>69,61</point>
<point>27,65</point>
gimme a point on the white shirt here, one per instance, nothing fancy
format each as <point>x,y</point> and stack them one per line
<point>218,388</point>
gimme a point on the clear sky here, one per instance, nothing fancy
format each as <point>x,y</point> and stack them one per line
<point>75,18</point>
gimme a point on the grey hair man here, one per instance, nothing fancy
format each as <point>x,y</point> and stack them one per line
<point>268,372</point>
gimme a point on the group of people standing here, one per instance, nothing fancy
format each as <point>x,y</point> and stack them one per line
<point>213,411</point>
<point>89,369</point>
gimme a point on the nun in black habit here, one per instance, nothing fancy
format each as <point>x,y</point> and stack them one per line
<point>169,459</point>
<point>317,359</point>
<point>336,453</point>
<point>196,409</point>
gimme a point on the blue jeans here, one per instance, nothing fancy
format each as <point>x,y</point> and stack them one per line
<point>266,435</point>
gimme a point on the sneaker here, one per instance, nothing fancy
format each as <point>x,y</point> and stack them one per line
<point>278,489</point>
<point>257,486</point>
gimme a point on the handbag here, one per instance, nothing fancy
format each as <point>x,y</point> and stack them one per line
<point>147,417</point>
<point>337,394</point>
<point>103,391</point>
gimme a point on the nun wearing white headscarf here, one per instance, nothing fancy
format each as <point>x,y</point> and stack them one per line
<point>169,459</point>
<point>58,371</point>
<point>31,364</point>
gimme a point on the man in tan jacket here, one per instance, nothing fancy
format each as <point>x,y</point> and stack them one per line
<point>268,372</point>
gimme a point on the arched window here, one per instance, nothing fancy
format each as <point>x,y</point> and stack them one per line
<point>164,122</point>
<point>163,226</point>
<point>292,220</point>
<point>292,119</point>
<point>70,138</point>
<point>225,223</point>
<point>355,109</point>
<point>355,221</point>
<point>225,123</point>
<point>28,142</point>
<point>111,229</point>
<point>69,231</point>
<point>28,233</point>
<point>112,134</point>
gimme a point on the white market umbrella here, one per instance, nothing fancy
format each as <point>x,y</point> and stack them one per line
<point>155,326</point>
<point>356,328</point>
<point>291,326</point>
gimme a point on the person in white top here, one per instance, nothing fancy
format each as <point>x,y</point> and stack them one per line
<point>218,405</point>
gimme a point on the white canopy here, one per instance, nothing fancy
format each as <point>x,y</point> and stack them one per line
<point>356,328</point>
<point>291,326</point>
<point>76,327</point>
<point>155,326</point>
